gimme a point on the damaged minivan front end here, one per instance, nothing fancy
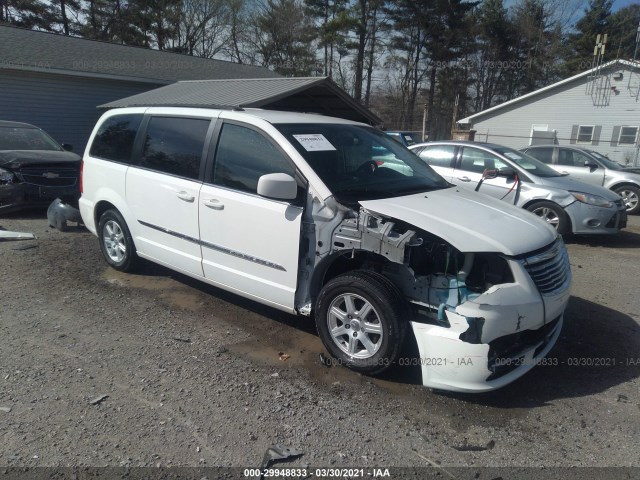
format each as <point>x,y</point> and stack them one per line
<point>390,248</point>
<point>485,307</point>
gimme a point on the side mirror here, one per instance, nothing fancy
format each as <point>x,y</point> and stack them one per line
<point>67,147</point>
<point>591,164</point>
<point>507,172</point>
<point>279,186</point>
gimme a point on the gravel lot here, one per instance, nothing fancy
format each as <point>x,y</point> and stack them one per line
<point>193,374</point>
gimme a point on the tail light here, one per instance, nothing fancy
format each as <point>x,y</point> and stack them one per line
<point>81,169</point>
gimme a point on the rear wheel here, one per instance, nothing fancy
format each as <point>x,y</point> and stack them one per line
<point>116,242</point>
<point>552,213</point>
<point>630,196</point>
<point>361,319</point>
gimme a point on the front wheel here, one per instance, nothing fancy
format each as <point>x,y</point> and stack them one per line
<point>361,319</point>
<point>552,213</point>
<point>116,242</point>
<point>630,196</point>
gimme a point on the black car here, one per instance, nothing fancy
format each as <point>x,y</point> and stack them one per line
<point>34,168</point>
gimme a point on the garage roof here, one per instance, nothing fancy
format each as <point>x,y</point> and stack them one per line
<point>22,49</point>
<point>305,94</point>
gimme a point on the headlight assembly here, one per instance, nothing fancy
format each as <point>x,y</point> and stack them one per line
<point>592,199</point>
<point>6,176</point>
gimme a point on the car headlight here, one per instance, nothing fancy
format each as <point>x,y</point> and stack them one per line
<point>592,199</point>
<point>6,176</point>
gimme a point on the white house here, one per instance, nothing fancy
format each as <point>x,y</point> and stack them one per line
<point>598,109</point>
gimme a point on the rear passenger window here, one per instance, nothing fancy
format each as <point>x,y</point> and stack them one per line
<point>243,156</point>
<point>438,156</point>
<point>477,161</point>
<point>114,140</point>
<point>175,145</point>
<point>543,154</point>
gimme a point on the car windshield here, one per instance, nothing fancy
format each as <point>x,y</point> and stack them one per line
<point>25,138</point>
<point>361,163</point>
<point>610,164</point>
<point>527,162</point>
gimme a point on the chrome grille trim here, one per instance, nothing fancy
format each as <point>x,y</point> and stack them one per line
<point>550,269</point>
<point>54,176</point>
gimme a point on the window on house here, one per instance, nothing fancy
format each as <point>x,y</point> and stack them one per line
<point>585,134</point>
<point>628,136</point>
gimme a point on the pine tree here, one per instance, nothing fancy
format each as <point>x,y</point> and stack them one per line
<point>594,22</point>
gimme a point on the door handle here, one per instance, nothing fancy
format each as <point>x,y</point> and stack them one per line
<point>464,179</point>
<point>214,204</point>
<point>185,196</point>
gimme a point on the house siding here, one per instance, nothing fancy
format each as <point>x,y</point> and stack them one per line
<point>565,108</point>
<point>62,105</point>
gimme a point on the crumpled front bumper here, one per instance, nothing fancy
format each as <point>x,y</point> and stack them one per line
<point>493,339</point>
<point>15,196</point>
<point>593,220</point>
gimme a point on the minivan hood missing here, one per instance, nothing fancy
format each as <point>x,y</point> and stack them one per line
<point>468,221</point>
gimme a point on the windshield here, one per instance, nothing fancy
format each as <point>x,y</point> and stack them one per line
<point>610,164</point>
<point>24,138</point>
<point>360,163</point>
<point>527,162</point>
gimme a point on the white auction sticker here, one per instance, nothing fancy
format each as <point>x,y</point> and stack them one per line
<point>314,142</point>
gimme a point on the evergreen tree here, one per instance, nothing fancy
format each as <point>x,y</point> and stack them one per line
<point>594,22</point>
<point>623,28</point>
<point>284,38</point>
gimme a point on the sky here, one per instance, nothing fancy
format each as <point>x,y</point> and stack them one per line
<point>618,4</point>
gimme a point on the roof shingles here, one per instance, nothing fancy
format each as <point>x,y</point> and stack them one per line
<point>29,49</point>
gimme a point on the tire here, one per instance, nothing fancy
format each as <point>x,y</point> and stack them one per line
<point>553,214</point>
<point>631,197</point>
<point>116,243</point>
<point>368,347</point>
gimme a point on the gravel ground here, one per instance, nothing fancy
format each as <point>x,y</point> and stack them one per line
<point>191,375</point>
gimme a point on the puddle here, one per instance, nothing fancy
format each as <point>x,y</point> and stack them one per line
<point>304,351</point>
<point>171,291</point>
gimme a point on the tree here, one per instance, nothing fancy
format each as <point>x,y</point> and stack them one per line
<point>111,21</point>
<point>537,48</point>
<point>623,30</point>
<point>493,59</point>
<point>594,22</point>
<point>404,65</point>
<point>33,14</point>
<point>331,25</point>
<point>284,37</point>
<point>203,27</point>
<point>446,26</point>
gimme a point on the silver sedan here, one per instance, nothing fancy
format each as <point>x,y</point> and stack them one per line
<point>591,167</point>
<point>568,205</point>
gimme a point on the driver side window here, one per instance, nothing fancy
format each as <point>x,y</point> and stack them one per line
<point>243,156</point>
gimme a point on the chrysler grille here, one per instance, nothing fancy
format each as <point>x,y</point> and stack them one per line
<point>550,269</point>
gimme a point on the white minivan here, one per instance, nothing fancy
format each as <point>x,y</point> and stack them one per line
<point>333,219</point>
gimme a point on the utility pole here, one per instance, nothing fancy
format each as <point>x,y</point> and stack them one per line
<point>424,122</point>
